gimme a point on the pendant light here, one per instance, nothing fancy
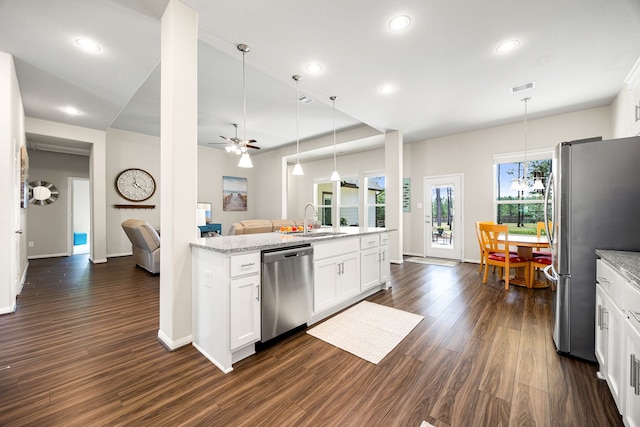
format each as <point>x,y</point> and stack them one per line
<point>520,184</point>
<point>245,160</point>
<point>297,169</point>
<point>334,175</point>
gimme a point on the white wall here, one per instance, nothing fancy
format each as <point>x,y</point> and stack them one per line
<point>471,154</point>
<point>13,256</point>
<point>129,150</point>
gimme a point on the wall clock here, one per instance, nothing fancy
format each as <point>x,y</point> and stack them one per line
<point>135,184</point>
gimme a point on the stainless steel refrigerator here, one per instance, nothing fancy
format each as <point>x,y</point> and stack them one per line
<point>594,197</point>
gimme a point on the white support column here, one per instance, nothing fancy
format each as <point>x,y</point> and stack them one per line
<point>178,152</point>
<point>393,193</point>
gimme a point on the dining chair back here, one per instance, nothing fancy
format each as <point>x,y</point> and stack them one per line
<point>479,237</point>
<point>539,229</point>
<point>498,253</point>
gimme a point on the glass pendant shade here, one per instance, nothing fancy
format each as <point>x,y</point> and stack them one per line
<point>297,170</point>
<point>245,161</point>
<point>335,176</point>
<point>538,185</point>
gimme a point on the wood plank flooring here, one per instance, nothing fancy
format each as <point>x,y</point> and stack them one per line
<point>81,350</point>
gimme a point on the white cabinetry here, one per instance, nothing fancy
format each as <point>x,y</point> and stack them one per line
<point>336,272</point>
<point>609,328</point>
<point>244,322</point>
<point>374,261</point>
<point>631,381</point>
<point>226,306</point>
<point>633,83</point>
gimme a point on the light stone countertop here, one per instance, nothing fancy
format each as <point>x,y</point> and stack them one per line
<point>625,263</point>
<point>261,241</point>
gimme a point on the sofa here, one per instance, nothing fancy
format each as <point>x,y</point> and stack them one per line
<point>253,226</point>
<point>145,244</point>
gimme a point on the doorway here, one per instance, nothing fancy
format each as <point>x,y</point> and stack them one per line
<point>79,216</point>
<point>443,217</point>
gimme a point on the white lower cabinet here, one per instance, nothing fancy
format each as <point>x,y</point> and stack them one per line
<point>244,311</point>
<point>336,272</point>
<point>370,268</point>
<point>609,329</point>
<point>631,382</point>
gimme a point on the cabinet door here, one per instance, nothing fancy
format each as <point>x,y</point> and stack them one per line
<point>325,284</point>
<point>601,338</point>
<point>244,323</point>
<point>349,277</point>
<point>631,382</point>
<point>369,268</point>
<point>385,264</point>
<point>615,354</point>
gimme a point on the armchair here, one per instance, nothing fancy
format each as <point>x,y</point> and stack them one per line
<point>145,243</point>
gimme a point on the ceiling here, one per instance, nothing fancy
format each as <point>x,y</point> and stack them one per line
<point>446,73</point>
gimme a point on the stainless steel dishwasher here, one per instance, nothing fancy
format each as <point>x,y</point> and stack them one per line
<point>287,289</point>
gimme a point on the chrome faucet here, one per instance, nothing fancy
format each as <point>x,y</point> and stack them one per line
<point>315,215</point>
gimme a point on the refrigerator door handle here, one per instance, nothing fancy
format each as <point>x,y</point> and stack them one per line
<point>546,215</point>
<point>550,273</point>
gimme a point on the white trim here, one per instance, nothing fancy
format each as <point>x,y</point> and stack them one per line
<point>633,77</point>
<point>518,156</point>
<point>8,310</point>
<point>173,345</point>
<point>64,254</point>
<point>458,236</point>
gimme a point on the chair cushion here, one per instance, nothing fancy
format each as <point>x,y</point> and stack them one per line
<point>542,254</point>
<point>542,260</point>
<point>513,258</point>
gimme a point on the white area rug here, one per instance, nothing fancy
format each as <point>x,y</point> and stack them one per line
<point>433,261</point>
<point>367,330</point>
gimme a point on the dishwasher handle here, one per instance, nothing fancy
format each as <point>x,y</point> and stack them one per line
<point>286,252</point>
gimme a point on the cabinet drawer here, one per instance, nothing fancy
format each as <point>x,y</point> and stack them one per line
<point>631,303</point>
<point>384,239</point>
<point>241,265</point>
<point>610,281</point>
<point>367,242</point>
<point>337,247</point>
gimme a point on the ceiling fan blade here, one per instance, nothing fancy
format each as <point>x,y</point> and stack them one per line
<point>252,146</point>
<point>228,139</point>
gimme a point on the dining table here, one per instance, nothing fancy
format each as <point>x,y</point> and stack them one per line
<point>526,243</point>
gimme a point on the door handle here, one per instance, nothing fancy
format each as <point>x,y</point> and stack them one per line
<point>18,231</point>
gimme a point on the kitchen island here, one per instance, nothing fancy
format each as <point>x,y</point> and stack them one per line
<point>349,264</point>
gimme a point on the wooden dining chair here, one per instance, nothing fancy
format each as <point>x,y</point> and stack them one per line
<point>498,253</point>
<point>538,263</point>
<point>479,237</point>
<point>539,229</point>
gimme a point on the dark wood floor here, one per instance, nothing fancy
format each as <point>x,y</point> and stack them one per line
<point>81,350</point>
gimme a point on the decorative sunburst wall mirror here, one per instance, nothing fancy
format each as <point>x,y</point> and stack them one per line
<point>42,193</point>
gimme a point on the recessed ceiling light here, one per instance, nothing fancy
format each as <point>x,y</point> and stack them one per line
<point>313,68</point>
<point>399,23</point>
<point>88,45</point>
<point>387,89</point>
<point>72,111</point>
<point>507,46</point>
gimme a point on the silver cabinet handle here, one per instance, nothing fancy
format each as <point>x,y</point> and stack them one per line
<point>635,315</point>
<point>247,265</point>
<point>258,292</point>
<point>638,112</point>
<point>599,316</point>
<point>18,231</point>
<point>603,280</point>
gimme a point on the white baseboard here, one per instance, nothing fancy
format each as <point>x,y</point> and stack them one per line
<point>173,345</point>
<point>63,254</point>
<point>8,310</point>
<point>411,254</point>
<point>119,255</point>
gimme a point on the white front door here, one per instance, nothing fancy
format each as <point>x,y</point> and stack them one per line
<point>443,216</point>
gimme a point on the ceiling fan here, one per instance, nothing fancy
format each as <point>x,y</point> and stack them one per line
<point>235,144</point>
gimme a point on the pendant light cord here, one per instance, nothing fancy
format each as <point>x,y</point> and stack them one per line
<point>244,101</point>
<point>333,98</point>
<point>524,171</point>
<point>297,125</point>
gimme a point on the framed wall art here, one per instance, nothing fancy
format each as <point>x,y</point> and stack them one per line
<point>234,193</point>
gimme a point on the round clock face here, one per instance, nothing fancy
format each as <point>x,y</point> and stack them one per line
<point>135,185</point>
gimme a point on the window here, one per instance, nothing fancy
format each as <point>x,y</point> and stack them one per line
<point>349,193</point>
<point>324,199</point>
<point>518,209</point>
<point>374,201</point>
